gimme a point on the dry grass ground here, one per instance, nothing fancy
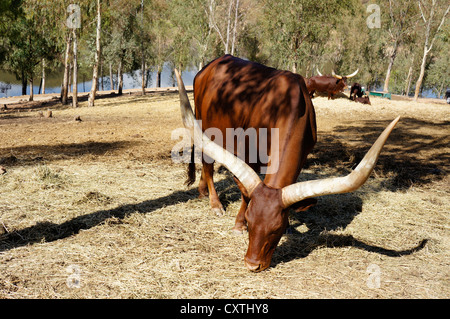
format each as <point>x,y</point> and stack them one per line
<point>97,209</point>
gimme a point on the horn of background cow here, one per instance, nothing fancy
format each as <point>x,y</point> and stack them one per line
<point>246,175</point>
<point>335,75</point>
<point>318,72</point>
<point>302,190</point>
<point>353,74</point>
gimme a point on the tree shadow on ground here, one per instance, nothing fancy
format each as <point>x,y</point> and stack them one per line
<point>409,157</point>
<point>31,154</point>
<point>49,232</point>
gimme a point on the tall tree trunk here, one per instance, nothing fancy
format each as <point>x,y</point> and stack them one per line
<point>388,75</point>
<point>43,76</point>
<point>422,73</point>
<point>235,27</point>
<point>31,90</point>
<point>75,70</point>
<point>70,78</point>
<point>389,69</point>
<point>409,77</point>
<point>101,75</point>
<point>143,74</point>
<point>142,50</point>
<point>111,79</point>
<point>158,77</point>
<point>120,78</point>
<point>24,83</point>
<point>227,44</point>
<point>65,88</point>
<point>97,58</point>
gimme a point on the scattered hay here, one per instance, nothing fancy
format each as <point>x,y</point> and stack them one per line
<point>94,197</point>
<point>106,203</point>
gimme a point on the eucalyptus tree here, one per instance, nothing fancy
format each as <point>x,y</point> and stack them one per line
<point>159,31</point>
<point>401,18</point>
<point>433,14</point>
<point>294,28</point>
<point>224,17</point>
<point>193,30</point>
<point>30,39</point>
<point>437,76</point>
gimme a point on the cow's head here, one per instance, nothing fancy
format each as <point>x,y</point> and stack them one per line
<point>267,212</point>
<point>343,79</point>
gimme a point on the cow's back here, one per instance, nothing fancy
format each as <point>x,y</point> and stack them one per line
<point>233,93</point>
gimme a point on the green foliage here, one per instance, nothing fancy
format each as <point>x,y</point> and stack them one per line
<point>27,47</point>
<point>438,71</point>
<point>298,35</point>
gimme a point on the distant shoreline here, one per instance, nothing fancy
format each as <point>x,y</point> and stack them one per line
<point>23,99</point>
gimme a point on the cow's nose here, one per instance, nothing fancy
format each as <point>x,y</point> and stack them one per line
<point>252,267</point>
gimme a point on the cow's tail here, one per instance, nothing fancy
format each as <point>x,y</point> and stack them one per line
<point>191,169</point>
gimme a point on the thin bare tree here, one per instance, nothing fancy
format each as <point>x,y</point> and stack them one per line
<point>428,12</point>
<point>75,69</point>
<point>227,36</point>
<point>401,24</point>
<point>97,57</point>
<point>65,87</point>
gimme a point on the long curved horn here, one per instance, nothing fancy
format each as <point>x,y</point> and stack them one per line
<point>335,75</point>
<point>246,175</point>
<point>352,75</point>
<point>318,72</point>
<point>336,185</point>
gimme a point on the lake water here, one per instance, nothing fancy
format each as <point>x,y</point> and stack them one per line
<point>13,87</point>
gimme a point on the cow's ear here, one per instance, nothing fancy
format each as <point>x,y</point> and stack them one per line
<point>304,205</point>
<point>337,81</point>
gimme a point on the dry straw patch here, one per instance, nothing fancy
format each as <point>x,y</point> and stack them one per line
<point>101,202</point>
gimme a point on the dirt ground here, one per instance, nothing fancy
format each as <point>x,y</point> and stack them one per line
<point>96,208</point>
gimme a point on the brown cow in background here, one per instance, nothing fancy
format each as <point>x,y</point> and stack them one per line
<point>357,94</point>
<point>330,84</point>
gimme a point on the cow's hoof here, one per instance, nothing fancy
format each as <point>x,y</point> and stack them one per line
<point>237,232</point>
<point>219,211</point>
<point>239,229</point>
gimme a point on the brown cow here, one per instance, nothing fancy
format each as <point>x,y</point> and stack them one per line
<point>356,91</point>
<point>357,95</point>
<point>363,99</point>
<point>233,93</point>
<point>330,84</point>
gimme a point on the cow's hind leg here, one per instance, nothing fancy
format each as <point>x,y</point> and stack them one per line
<point>202,186</point>
<point>207,176</point>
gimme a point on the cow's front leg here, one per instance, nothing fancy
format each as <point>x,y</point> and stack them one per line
<point>207,175</point>
<point>240,224</point>
<point>202,186</point>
